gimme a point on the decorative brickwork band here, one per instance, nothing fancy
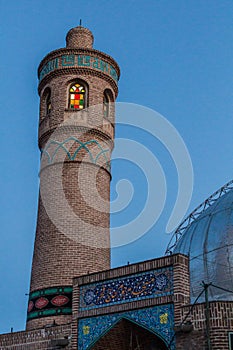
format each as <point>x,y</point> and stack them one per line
<point>53,147</point>
<point>50,302</point>
<point>141,286</point>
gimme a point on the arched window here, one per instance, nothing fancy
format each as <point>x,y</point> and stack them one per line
<point>45,103</point>
<point>106,105</point>
<point>48,103</point>
<point>77,96</point>
<point>107,99</point>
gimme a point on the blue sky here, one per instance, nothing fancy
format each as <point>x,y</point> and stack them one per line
<point>175,57</point>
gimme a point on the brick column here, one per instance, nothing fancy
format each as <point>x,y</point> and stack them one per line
<point>72,234</point>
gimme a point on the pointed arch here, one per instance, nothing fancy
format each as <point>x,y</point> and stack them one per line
<point>126,334</point>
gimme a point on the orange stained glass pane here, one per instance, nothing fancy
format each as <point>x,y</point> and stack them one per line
<point>81,88</point>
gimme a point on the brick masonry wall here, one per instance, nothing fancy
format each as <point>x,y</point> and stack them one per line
<point>221,323</point>
<point>59,86</point>
<point>221,313</point>
<point>41,339</point>
<point>180,280</point>
<point>72,235</point>
<point>59,256</point>
<point>181,290</point>
<point>181,286</point>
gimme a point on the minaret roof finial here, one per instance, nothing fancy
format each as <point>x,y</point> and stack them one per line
<point>79,37</point>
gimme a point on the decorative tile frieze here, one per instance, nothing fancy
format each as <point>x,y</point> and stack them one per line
<point>78,61</point>
<point>141,286</point>
<point>158,319</point>
<point>49,302</point>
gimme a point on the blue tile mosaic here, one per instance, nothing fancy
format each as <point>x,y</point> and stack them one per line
<point>150,284</point>
<point>78,61</point>
<point>158,320</point>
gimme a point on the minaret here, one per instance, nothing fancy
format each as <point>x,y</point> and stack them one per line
<point>77,89</point>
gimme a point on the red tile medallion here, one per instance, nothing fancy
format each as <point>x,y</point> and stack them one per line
<point>60,300</point>
<point>41,303</point>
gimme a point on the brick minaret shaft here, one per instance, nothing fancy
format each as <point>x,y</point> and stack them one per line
<point>76,140</point>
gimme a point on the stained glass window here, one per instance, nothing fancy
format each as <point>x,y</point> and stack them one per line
<point>77,97</point>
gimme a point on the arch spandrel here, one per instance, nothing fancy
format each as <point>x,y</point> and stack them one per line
<point>150,326</point>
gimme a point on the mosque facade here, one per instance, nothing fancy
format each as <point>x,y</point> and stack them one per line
<point>181,301</point>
